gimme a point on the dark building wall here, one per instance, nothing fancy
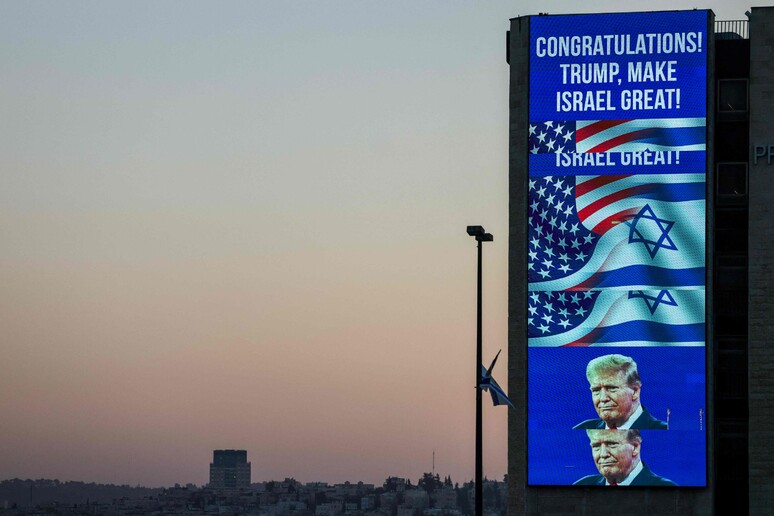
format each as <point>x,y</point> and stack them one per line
<point>523,499</point>
<point>728,303</point>
<point>761,264</point>
<point>518,56</point>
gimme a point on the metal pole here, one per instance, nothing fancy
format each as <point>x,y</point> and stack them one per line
<point>479,458</point>
<point>481,237</point>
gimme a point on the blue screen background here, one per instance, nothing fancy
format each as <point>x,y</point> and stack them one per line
<point>674,377</point>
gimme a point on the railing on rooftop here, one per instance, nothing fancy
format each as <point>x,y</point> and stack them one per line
<point>731,29</point>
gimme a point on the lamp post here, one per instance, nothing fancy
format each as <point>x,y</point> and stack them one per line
<point>480,236</point>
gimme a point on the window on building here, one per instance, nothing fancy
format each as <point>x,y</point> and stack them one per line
<point>731,377</point>
<point>732,95</point>
<point>730,272</point>
<point>732,139</point>
<point>731,325</point>
<point>730,344</point>
<point>731,464</point>
<point>731,302</point>
<point>731,183</point>
<point>730,241</point>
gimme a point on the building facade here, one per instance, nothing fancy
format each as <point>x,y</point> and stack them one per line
<point>229,470</point>
<point>737,414</point>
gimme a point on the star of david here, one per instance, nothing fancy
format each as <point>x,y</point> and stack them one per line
<point>649,225</point>
<point>663,298</point>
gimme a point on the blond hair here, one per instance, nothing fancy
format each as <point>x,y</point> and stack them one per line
<point>613,364</point>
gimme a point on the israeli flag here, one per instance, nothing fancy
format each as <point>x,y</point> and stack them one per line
<point>487,383</point>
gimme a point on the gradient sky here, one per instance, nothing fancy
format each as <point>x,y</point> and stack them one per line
<point>242,225</point>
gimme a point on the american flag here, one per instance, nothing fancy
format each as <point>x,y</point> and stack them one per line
<point>552,137</point>
<point>559,243</point>
<point>551,313</point>
<point>582,136</point>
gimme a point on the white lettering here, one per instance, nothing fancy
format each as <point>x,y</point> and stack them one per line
<point>581,101</point>
<point>652,71</point>
<point>589,73</point>
<point>588,159</point>
<point>650,99</point>
<point>619,44</point>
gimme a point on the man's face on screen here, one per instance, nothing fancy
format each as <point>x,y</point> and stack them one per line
<point>613,399</point>
<point>614,456</point>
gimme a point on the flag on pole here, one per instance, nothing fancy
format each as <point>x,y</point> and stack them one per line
<point>487,383</point>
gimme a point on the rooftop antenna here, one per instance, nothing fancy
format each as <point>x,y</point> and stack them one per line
<point>433,462</point>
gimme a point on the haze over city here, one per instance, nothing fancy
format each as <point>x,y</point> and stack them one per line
<point>242,225</point>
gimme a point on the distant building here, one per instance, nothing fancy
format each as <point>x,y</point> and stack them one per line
<point>445,498</point>
<point>229,470</point>
<point>367,503</point>
<point>329,509</point>
<point>387,500</point>
<point>416,499</point>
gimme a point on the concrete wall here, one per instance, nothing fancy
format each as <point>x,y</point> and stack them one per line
<point>761,264</point>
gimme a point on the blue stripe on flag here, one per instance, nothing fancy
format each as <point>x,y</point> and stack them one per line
<point>654,277</point>
<point>675,136</point>
<point>677,192</point>
<point>650,331</point>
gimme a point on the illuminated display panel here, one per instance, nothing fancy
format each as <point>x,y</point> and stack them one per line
<point>616,265</point>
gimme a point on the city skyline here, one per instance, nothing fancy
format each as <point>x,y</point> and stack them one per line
<point>244,228</point>
<point>430,495</point>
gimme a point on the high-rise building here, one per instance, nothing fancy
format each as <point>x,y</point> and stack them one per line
<point>641,220</point>
<point>229,469</point>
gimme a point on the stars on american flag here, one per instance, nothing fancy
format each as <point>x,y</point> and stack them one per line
<point>551,137</point>
<point>558,243</point>
<point>550,313</point>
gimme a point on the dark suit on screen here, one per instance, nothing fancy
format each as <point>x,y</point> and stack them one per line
<point>645,478</point>
<point>644,422</point>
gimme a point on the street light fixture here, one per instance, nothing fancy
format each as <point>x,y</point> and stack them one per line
<point>481,236</point>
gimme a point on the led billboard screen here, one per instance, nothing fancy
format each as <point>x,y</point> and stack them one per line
<point>616,251</point>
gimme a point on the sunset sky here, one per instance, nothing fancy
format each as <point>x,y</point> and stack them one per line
<point>242,225</point>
